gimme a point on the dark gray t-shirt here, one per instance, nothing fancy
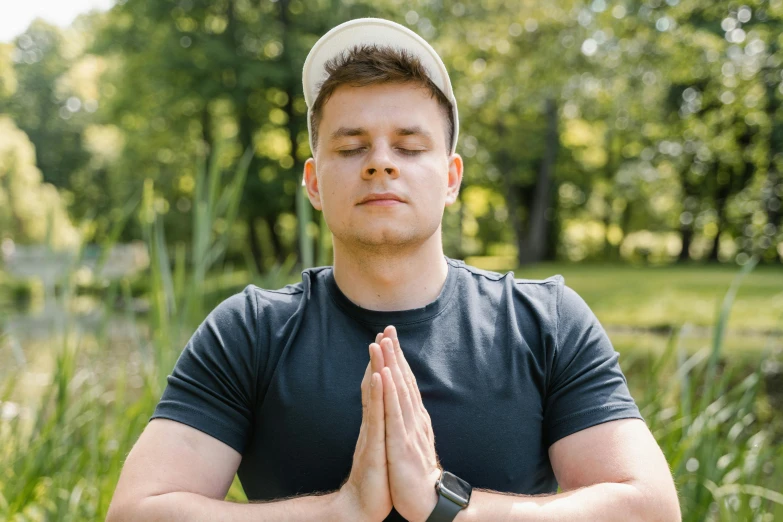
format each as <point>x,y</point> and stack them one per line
<point>505,366</point>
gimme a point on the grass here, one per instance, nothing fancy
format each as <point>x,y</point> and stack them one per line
<point>717,418</point>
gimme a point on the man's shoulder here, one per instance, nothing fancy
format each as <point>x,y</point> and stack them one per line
<point>550,284</point>
<point>254,300</point>
<point>288,298</point>
<point>292,292</point>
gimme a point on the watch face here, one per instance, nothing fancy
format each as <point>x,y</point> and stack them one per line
<point>455,489</point>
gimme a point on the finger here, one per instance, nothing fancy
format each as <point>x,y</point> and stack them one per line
<point>365,387</point>
<point>375,365</point>
<point>376,357</point>
<point>395,424</point>
<point>378,338</point>
<point>376,432</point>
<point>401,360</point>
<point>403,392</point>
<point>391,332</point>
<point>410,378</point>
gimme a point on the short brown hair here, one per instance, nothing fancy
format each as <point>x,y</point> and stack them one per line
<point>365,65</point>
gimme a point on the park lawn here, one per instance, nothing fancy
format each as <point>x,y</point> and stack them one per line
<point>660,297</point>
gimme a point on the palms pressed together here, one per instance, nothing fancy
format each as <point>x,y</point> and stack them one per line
<point>394,463</point>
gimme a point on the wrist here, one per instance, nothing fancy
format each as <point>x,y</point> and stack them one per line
<point>432,498</point>
<point>342,507</point>
<point>431,503</point>
<point>345,506</point>
<point>453,498</point>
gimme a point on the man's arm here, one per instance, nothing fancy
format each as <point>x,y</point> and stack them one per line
<point>177,473</point>
<point>612,471</point>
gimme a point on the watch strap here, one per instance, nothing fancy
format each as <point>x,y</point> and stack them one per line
<point>445,510</point>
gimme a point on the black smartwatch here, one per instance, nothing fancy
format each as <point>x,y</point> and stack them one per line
<point>453,496</point>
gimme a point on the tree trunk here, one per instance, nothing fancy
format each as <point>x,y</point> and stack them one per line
<point>686,233</point>
<point>534,246</point>
<point>721,196</point>
<point>686,230</point>
<point>511,193</point>
<point>553,225</point>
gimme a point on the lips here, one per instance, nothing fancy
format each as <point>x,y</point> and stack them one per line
<point>381,197</point>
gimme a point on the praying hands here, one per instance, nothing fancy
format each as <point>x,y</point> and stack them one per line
<point>394,463</point>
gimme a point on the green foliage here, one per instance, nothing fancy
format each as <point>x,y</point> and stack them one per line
<point>716,429</point>
<point>7,74</point>
<point>667,125</point>
<point>61,460</point>
<point>178,296</point>
<point>43,105</point>
<point>30,211</point>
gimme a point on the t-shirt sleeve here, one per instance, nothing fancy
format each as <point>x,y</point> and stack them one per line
<point>212,386</point>
<point>586,386</point>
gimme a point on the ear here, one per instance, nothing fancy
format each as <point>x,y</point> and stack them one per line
<point>310,182</point>
<point>455,178</point>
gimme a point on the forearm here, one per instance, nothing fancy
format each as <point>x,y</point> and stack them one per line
<point>606,502</point>
<point>190,507</point>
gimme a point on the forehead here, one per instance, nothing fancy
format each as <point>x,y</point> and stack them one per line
<point>383,106</point>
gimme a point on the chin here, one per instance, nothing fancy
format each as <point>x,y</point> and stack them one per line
<point>396,237</point>
<point>382,238</point>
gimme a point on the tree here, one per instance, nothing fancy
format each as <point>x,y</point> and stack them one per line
<point>31,211</point>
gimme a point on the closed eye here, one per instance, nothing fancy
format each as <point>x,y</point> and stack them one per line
<point>350,152</point>
<point>410,152</point>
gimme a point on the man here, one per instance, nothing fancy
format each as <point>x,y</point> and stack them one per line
<point>481,390</point>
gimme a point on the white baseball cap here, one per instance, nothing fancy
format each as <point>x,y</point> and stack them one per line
<point>382,33</point>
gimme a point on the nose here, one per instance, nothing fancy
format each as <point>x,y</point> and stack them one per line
<point>380,160</point>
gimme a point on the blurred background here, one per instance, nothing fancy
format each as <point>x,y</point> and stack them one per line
<point>150,160</point>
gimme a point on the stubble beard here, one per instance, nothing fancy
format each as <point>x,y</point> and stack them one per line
<point>385,242</point>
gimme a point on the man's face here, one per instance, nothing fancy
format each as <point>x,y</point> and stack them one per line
<point>382,174</point>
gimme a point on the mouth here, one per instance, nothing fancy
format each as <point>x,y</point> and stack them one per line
<point>382,199</point>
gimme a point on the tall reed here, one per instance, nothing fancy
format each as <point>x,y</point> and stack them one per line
<point>60,458</point>
<point>712,419</point>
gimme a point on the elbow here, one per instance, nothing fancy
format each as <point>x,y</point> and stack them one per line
<point>669,501</point>
<point>126,510</point>
<point>673,512</point>
<point>666,510</point>
<point>115,514</point>
<point>659,504</point>
<point>120,511</point>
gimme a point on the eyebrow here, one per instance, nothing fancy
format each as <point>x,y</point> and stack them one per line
<point>344,132</point>
<point>413,131</point>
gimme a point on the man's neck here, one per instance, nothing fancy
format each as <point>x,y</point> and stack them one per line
<point>398,279</point>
